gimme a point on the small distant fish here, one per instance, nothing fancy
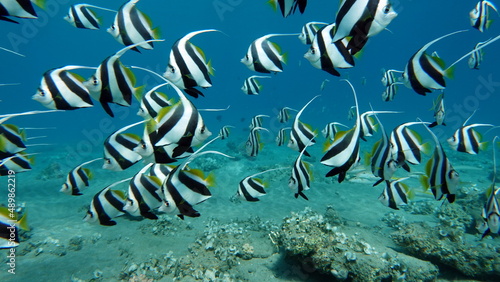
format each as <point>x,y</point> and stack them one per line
<point>133,27</point>
<point>479,16</point>
<point>119,151</point>
<point>82,16</point>
<point>440,175</point>
<point>351,113</point>
<point>256,121</point>
<point>309,31</point>
<point>300,179</point>
<point>250,188</point>
<point>265,56</point>
<point>491,209</point>
<point>323,84</point>
<point>19,162</point>
<point>9,227</point>
<point>19,9</point>
<point>187,67</point>
<point>439,111</point>
<point>186,187</point>
<point>382,164</point>
<point>407,145</point>
<point>395,194</point>
<point>288,7</point>
<point>77,179</point>
<point>466,139</point>
<point>106,205</point>
<point>224,132</point>
<point>252,86</point>
<point>61,89</point>
<point>343,153</point>
<point>362,19</point>
<point>368,126</point>
<point>144,194</point>
<point>284,114</point>
<point>476,58</point>
<point>301,133</point>
<point>331,130</point>
<point>152,102</point>
<point>281,137</point>
<point>390,92</point>
<point>325,55</point>
<point>253,144</point>
<point>389,77</point>
<point>113,82</point>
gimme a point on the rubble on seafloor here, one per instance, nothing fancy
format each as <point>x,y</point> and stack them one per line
<point>322,242</point>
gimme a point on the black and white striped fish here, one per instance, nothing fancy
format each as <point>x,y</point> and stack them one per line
<point>250,188</point>
<point>11,140</point>
<point>325,55</point>
<point>61,89</point>
<point>389,92</point>
<point>253,144</point>
<point>19,9</point>
<point>479,16</point>
<point>180,126</point>
<point>224,132</point>
<point>284,114</point>
<point>19,162</point>
<point>186,187</point>
<point>368,125</point>
<point>144,194</point>
<point>119,151</point>
<point>300,179</point>
<point>331,130</point>
<point>265,56</point>
<point>491,209</point>
<point>152,102</point>
<point>476,58</point>
<point>10,222</point>
<point>106,205</point>
<point>395,194</point>
<point>133,27</point>
<point>343,153</point>
<point>362,19</point>
<point>309,31</point>
<point>252,86</point>
<point>466,139</point>
<point>77,179</point>
<point>439,111</point>
<point>113,82</point>
<point>256,121</point>
<point>301,133</point>
<point>82,16</point>
<point>407,145</point>
<point>187,67</point>
<point>288,7</point>
<point>382,164</point>
<point>440,175</point>
<point>389,77</point>
<point>281,137</point>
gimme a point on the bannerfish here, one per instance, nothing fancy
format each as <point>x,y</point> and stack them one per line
<point>284,114</point>
<point>253,144</point>
<point>11,140</point>
<point>188,67</point>
<point>466,139</point>
<point>9,227</point>
<point>225,131</point>
<point>82,16</point>
<point>19,162</point>
<point>77,179</point>
<point>251,86</point>
<point>395,194</point>
<point>301,133</point>
<point>19,9</point>
<point>265,56</point>
<point>439,111</point>
<point>281,137</point>
<point>406,145</point>
<point>256,121</point>
<point>300,178</point>
<point>133,27</point>
<point>106,205</point>
<point>479,16</point>
<point>476,58</point>
<point>119,151</point>
<point>491,209</point>
<point>331,130</point>
<point>309,31</point>
<point>343,152</point>
<point>250,188</point>
<point>152,102</point>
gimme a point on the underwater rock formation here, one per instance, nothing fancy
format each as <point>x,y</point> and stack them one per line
<point>326,245</point>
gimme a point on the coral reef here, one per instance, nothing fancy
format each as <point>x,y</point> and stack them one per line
<point>328,246</point>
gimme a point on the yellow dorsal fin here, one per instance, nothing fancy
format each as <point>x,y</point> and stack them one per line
<point>88,173</point>
<point>119,193</point>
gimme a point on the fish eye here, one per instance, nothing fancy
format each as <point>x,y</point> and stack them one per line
<point>387,9</point>
<point>41,92</point>
<point>112,27</point>
<point>107,161</point>
<point>313,51</point>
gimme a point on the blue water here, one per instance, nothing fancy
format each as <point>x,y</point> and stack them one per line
<point>51,42</point>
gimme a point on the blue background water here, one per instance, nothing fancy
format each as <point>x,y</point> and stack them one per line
<point>51,42</point>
